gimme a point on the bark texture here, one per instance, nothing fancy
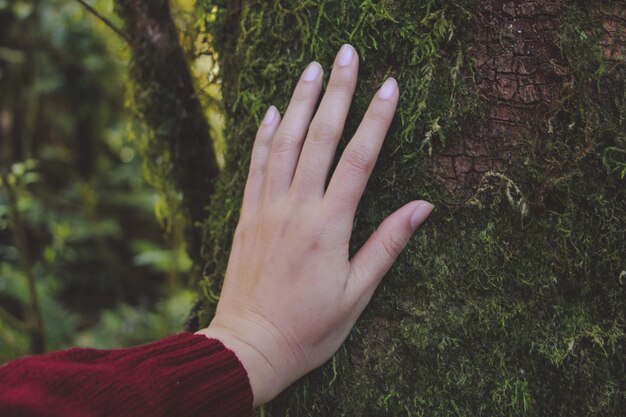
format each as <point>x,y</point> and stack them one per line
<point>516,64</point>
<point>511,300</point>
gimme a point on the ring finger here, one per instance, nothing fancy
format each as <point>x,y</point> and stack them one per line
<point>289,137</point>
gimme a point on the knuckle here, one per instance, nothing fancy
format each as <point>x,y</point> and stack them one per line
<point>285,141</point>
<point>327,230</point>
<point>392,246</point>
<point>262,140</point>
<point>359,159</point>
<point>379,116</point>
<point>302,94</point>
<point>340,85</point>
<point>315,243</point>
<point>323,131</point>
<point>320,231</point>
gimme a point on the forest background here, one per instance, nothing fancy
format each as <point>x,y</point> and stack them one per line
<point>88,257</point>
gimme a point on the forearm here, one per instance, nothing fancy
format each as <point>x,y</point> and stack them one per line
<point>182,375</point>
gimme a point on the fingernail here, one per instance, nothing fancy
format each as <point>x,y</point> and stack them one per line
<point>312,71</point>
<point>420,214</point>
<point>345,55</point>
<point>270,115</point>
<point>388,88</point>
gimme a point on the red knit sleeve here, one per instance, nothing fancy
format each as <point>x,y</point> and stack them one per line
<point>184,375</point>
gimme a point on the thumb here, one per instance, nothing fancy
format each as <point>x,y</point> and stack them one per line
<point>373,260</point>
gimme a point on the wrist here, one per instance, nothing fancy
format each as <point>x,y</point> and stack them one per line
<point>263,377</point>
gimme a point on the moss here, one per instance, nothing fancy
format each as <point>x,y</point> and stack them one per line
<point>510,300</point>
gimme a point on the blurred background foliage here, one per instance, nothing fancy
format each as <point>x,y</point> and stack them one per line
<point>83,258</point>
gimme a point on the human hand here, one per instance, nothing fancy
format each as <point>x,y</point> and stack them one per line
<point>291,294</point>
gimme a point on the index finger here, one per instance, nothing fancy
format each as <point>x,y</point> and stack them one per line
<point>358,159</point>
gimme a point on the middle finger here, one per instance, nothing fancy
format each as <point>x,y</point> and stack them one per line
<point>326,128</point>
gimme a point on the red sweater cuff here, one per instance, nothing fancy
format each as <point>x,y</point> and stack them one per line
<point>184,375</point>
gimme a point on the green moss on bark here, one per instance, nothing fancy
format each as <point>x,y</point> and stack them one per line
<point>510,300</point>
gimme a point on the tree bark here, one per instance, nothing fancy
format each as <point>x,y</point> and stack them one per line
<point>510,301</point>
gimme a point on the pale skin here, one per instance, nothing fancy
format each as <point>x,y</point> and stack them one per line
<point>291,292</point>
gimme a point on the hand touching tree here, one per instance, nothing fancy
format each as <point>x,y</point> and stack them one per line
<point>291,293</point>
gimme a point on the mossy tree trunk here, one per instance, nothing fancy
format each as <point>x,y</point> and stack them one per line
<point>511,300</point>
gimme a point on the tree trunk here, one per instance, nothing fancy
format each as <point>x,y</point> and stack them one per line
<point>510,300</point>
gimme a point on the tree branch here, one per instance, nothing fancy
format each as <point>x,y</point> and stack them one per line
<point>104,20</point>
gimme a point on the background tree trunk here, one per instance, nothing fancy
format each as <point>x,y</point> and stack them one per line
<point>510,301</point>
<point>179,145</point>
